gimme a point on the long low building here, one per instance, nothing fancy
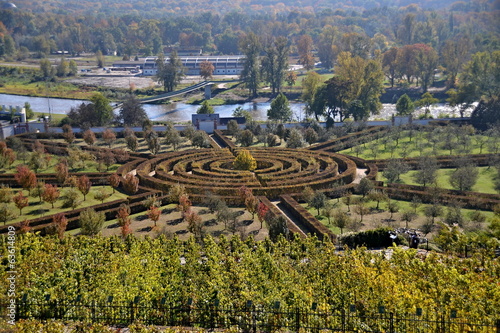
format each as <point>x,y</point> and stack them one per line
<point>223,65</point>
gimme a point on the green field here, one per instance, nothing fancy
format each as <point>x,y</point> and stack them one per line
<point>485,181</point>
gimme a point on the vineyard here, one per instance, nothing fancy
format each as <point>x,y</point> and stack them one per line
<point>232,272</point>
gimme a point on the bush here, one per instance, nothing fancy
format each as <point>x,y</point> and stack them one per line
<point>371,238</point>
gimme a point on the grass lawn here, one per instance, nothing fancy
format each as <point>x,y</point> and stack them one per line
<point>36,209</point>
<point>485,181</point>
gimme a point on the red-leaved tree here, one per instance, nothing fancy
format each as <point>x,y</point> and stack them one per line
<point>61,222</point>
<point>154,214</point>
<point>84,184</point>
<point>50,194</point>
<point>114,181</point>
<point>20,201</point>
<point>262,211</point>
<point>131,183</point>
<point>25,178</point>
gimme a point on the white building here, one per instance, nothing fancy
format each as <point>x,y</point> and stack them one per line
<point>223,65</point>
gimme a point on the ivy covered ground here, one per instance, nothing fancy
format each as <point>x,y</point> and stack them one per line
<point>296,273</point>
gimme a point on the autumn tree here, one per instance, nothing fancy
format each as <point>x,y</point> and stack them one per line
<point>60,222</point>
<point>68,134</point>
<point>25,178</point>
<point>195,225</point>
<point>114,181</point>
<point>123,217</point>
<point>5,194</point>
<point>154,214</point>
<point>130,183</point>
<point>310,86</point>
<point>89,137</point>
<point>389,64</point>
<point>304,48</point>
<point>262,211</point>
<point>341,220</point>
<point>62,172</point>
<point>328,46</point>
<point>50,194</point>
<point>206,70</point>
<point>84,184</point>
<point>20,201</point>
<point>109,137</point>
<point>245,161</point>
<point>184,204</point>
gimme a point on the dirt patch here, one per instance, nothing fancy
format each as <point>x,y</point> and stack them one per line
<point>172,224</point>
<point>115,81</point>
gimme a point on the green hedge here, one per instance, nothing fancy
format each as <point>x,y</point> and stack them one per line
<point>376,238</point>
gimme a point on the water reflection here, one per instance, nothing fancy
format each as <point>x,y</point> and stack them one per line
<point>181,112</point>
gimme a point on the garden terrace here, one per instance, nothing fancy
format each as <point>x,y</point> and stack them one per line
<point>352,139</point>
<point>470,200</point>
<point>443,161</point>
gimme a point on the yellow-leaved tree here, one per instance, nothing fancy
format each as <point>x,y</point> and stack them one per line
<point>245,161</point>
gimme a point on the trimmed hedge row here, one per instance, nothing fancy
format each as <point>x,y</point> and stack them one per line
<point>275,212</point>
<point>468,200</point>
<point>306,219</point>
<point>444,161</point>
<point>224,139</point>
<point>352,139</point>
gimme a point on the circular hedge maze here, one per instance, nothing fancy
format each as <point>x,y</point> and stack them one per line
<point>279,171</point>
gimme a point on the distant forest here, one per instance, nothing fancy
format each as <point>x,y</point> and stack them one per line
<point>159,8</point>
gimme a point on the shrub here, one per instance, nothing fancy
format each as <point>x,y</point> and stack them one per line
<point>371,238</point>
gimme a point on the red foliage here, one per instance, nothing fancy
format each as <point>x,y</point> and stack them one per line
<point>84,184</point>
<point>89,137</point>
<point>131,183</point>
<point>154,214</point>
<point>50,194</point>
<point>262,212</point>
<point>25,177</point>
<point>61,222</point>
<point>62,172</point>
<point>114,181</point>
<point>109,137</point>
<point>123,215</point>
<point>184,204</point>
<point>20,201</point>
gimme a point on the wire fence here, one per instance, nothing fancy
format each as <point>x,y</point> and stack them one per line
<point>248,318</point>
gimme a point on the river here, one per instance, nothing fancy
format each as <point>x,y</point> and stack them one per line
<point>181,112</point>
